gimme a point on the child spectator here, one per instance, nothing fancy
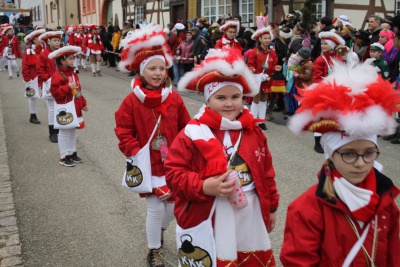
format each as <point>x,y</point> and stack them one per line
<point>223,138</point>
<point>65,87</point>
<point>206,40</point>
<point>350,217</point>
<point>185,52</point>
<point>228,39</point>
<point>381,66</point>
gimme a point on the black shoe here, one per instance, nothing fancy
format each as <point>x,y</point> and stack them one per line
<point>389,137</point>
<point>75,158</point>
<point>263,127</point>
<point>67,162</point>
<point>395,141</point>
<point>33,119</point>
<point>77,71</point>
<point>318,148</point>
<point>53,134</point>
<point>154,258</point>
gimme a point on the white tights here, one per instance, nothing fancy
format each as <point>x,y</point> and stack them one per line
<point>32,105</point>
<point>50,109</point>
<point>67,142</point>
<point>12,63</point>
<point>159,215</point>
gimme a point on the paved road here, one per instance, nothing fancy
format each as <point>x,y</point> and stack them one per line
<point>82,216</point>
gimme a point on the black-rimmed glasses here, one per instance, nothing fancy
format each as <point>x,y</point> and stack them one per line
<point>352,157</point>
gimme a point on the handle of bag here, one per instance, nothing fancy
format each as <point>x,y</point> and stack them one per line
<point>154,130</point>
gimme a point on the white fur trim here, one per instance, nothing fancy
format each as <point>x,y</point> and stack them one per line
<point>179,26</point>
<point>34,33</point>
<point>8,28</point>
<point>72,48</point>
<point>262,31</point>
<point>46,34</point>
<point>230,24</point>
<point>239,67</point>
<point>212,88</point>
<point>323,35</point>
<point>285,35</point>
<point>153,41</point>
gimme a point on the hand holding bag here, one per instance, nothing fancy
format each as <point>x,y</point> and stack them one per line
<point>137,176</point>
<point>65,115</point>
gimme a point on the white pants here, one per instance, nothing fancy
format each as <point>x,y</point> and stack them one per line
<point>32,105</point>
<point>159,215</point>
<point>50,110</point>
<point>67,142</point>
<point>12,63</point>
<point>3,62</point>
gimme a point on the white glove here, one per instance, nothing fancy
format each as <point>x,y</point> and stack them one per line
<point>265,77</point>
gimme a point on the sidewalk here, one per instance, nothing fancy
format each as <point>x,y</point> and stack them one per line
<point>10,246</point>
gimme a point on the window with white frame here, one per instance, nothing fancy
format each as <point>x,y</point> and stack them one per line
<point>139,13</point>
<point>165,4</point>
<point>320,9</point>
<point>397,8</point>
<point>246,10</point>
<point>212,9</point>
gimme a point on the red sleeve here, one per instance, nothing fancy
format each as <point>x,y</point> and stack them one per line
<point>59,86</point>
<point>41,67</point>
<point>125,128</point>
<point>303,232</point>
<point>252,61</point>
<point>18,49</point>
<point>218,45</point>
<point>26,74</point>
<point>319,70</point>
<point>71,40</point>
<point>180,176</point>
<point>393,237</point>
<point>270,177</point>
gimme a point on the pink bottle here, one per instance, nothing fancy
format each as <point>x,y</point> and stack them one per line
<point>237,198</point>
<point>163,150</point>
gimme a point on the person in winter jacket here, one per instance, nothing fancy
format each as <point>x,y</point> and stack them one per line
<point>11,50</point>
<point>263,61</point>
<point>390,52</point>
<point>45,68</point>
<point>174,42</point>
<point>65,87</point>
<point>361,45</point>
<point>380,64</point>
<point>350,217</point>
<point>185,54</point>
<point>223,140</point>
<point>29,72</point>
<point>152,107</point>
<point>323,67</point>
<point>230,29</point>
<point>325,25</point>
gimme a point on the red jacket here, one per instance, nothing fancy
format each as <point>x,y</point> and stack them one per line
<point>233,44</point>
<point>185,167</point>
<point>318,234</point>
<point>16,49</point>
<point>256,62</point>
<point>320,66</point>
<point>45,66</point>
<point>29,62</point>
<point>2,43</point>
<point>135,123</point>
<point>94,42</point>
<point>176,40</point>
<point>78,38</point>
<point>61,91</point>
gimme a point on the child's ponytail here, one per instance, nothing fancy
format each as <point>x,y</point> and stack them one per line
<point>328,190</point>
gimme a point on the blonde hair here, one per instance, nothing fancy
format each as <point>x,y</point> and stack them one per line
<point>328,190</point>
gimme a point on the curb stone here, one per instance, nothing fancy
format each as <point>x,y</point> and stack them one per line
<point>10,245</point>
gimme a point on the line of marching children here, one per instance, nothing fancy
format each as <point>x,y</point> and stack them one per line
<point>48,74</point>
<point>214,173</point>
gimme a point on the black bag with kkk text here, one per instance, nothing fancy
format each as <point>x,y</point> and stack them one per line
<point>65,115</point>
<point>137,176</point>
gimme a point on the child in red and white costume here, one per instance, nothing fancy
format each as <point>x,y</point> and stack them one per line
<point>29,72</point>
<point>350,218</point>
<point>79,39</point>
<point>200,156</point>
<point>263,61</point>
<point>147,52</point>
<point>65,86</point>
<point>45,68</point>
<point>228,38</point>
<point>3,60</point>
<point>11,50</point>
<point>96,47</point>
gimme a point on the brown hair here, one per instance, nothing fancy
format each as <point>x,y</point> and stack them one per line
<point>328,190</point>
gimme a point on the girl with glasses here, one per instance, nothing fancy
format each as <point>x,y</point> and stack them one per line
<point>349,218</point>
